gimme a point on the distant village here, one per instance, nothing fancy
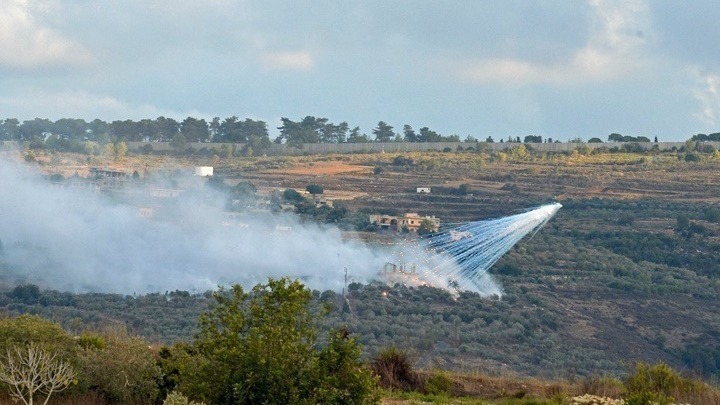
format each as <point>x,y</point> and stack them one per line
<point>152,194</point>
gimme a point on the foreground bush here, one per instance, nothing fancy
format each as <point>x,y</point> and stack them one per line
<point>262,347</point>
<point>394,369</point>
<point>660,384</point>
<point>120,368</point>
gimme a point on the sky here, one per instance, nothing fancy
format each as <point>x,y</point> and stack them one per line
<point>556,68</point>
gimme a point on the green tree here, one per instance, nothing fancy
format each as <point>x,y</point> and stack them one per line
<point>357,137</point>
<point>195,130</point>
<point>291,195</point>
<point>409,134</point>
<point>428,135</point>
<point>315,189</point>
<point>309,130</point>
<point>261,347</point>
<point>383,132</point>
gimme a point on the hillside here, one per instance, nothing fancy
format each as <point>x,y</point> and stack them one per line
<point>627,271</point>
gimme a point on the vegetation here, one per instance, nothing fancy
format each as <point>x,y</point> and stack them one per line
<point>626,273</point>
<point>262,347</point>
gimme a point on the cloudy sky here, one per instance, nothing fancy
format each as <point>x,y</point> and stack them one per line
<point>558,68</point>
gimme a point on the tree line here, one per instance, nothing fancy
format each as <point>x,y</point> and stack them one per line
<point>228,130</point>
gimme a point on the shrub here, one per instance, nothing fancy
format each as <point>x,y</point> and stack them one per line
<point>119,367</point>
<point>659,384</point>
<point>439,383</point>
<point>394,369</point>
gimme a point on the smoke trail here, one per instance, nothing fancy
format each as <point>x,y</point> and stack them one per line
<point>470,250</point>
<point>461,256</point>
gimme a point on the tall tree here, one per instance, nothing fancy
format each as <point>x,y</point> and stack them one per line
<point>331,133</point>
<point>10,129</point>
<point>383,132</point>
<point>38,128</point>
<point>427,135</point>
<point>71,128</point>
<point>125,130</point>
<point>167,128</point>
<point>195,130</point>
<point>298,133</point>
<point>409,134</point>
<point>356,136</point>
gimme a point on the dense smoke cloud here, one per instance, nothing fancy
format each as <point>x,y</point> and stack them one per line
<point>75,239</point>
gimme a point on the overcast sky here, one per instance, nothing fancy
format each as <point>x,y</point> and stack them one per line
<point>557,68</point>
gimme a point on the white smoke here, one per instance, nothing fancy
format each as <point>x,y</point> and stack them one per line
<point>78,240</point>
<point>75,239</point>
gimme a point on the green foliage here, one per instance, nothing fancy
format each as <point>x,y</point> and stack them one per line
<point>291,195</point>
<point>90,341</point>
<point>119,367</point>
<point>402,161</point>
<point>439,383</point>
<point>314,189</point>
<point>344,379</point>
<point>653,384</point>
<point>21,330</point>
<point>261,348</point>
<point>27,293</point>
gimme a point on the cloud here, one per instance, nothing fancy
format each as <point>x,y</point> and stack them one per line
<point>26,43</point>
<point>708,95</point>
<point>614,49</point>
<point>81,104</point>
<point>299,60</point>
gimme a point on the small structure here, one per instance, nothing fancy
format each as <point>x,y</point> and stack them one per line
<point>322,202</point>
<point>98,174</point>
<point>423,190</point>
<point>106,179</point>
<point>404,273</point>
<point>412,221</point>
<point>203,171</point>
<point>165,193</point>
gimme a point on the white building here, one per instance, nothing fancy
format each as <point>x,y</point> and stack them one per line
<point>203,171</point>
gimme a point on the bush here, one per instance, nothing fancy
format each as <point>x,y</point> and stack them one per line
<point>119,367</point>
<point>393,368</point>
<point>659,384</point>
<point>439,383</point>
<point>261,347</point>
